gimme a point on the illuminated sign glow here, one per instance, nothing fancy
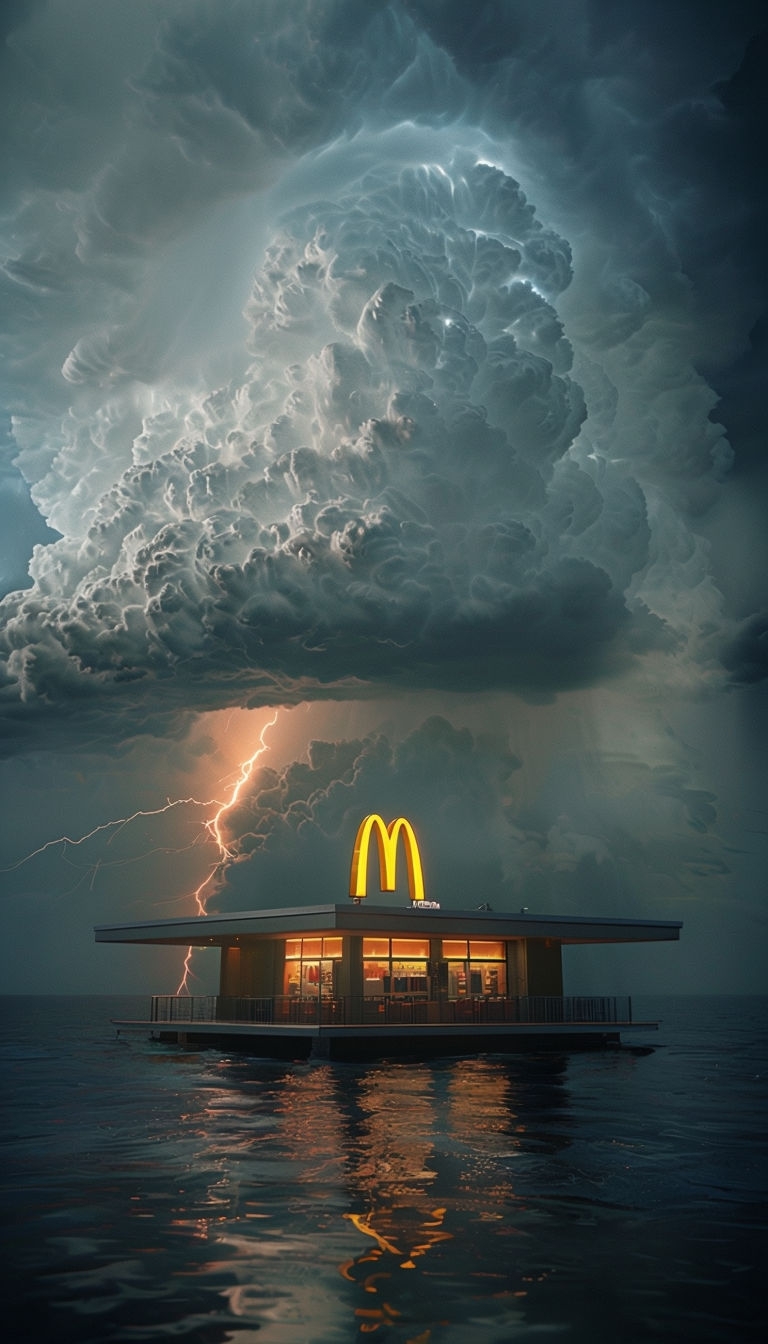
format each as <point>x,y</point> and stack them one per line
<point>386,838</point>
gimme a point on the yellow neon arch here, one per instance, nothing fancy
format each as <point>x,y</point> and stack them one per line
<point>386,838</point>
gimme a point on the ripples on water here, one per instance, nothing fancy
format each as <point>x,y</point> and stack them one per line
<point>153,1194</point>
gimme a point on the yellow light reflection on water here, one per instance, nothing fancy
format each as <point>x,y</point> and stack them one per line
<point>358,1155</point>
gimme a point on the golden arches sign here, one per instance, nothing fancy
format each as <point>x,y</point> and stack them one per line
<point>386,839</point>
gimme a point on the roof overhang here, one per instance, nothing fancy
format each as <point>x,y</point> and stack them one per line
<point>227,929</point>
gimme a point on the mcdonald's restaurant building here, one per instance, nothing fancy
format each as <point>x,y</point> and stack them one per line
<point>356,978</point>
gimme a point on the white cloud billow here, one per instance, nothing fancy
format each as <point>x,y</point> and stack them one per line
<point>431,468</point>
<point>384,507</point>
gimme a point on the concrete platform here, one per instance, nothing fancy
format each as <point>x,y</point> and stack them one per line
<point>295,1041</point>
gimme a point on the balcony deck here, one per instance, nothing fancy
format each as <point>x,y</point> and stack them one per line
<point>363,1027</point>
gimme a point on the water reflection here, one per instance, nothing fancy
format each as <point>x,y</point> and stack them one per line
<point>157,1194</point>
<point>392,1119</point>
<point>429,1168</point>
<point>225,1198</point>
<point>409,1167</point>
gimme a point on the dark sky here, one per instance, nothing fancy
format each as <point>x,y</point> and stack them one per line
<point>385,381</point>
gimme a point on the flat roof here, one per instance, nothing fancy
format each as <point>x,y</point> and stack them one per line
<point>224,929</point>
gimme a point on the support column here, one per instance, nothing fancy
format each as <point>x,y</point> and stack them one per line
<point>350,973</point>
<point>517,968</point>
<point>229,979</point>
<point>545,966</point>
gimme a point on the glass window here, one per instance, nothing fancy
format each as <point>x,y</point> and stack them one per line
<point>491,978</point>
<point>476,950</point>
<point>486,951</point>
<point>395,966</point>
<point>375,947</point>
<point>374,970</point>
<point>374,975</point>
<point>310,947</point>
<point>455,947</point>
<point>410,947</point>
<point>476,979</point>
<point>396,947</point>
<point>409,977</point>
<point>292,978</point>
<point>457,980</point>
<point>309,966</point>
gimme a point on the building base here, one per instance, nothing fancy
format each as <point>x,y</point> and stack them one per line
<point>374,1042</point>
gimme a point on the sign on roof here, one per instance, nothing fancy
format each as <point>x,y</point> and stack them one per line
<point>386,840</point>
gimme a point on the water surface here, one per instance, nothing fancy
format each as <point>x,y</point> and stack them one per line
<point>152,1193</point>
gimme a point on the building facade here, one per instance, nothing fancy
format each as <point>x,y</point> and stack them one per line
<point>344,978</point>
<point>375,973</point>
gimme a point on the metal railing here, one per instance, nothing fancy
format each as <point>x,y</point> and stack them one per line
<point>184,1007</point>
<point>385,1010</point>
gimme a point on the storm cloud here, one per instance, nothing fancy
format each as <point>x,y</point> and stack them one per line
<point>403,363</point>
<point>464,440</point>
<point>617,839</point>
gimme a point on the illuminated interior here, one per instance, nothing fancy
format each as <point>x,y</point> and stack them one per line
<point>395,966</point>
<point>475,967</point>
<point>310,966</point>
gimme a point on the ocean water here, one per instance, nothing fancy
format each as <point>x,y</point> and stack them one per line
<point>155,1194</point>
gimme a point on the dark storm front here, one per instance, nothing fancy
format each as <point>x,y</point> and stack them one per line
<point>152,1193</point>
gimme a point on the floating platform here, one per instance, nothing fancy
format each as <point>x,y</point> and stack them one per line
<point>351,981</point>
<point>406,1032</point>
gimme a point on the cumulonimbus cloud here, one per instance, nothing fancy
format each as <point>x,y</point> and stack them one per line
<point>428,472</point>
<point>484,835</point>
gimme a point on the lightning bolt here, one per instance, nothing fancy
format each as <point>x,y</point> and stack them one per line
<point>212,825</point>
<point>226,853</point>
<point>116,825</point>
